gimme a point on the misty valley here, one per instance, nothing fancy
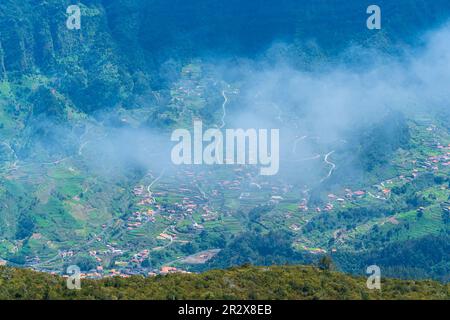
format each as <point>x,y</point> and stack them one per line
<point>238,147</point>
<point>157,142</point>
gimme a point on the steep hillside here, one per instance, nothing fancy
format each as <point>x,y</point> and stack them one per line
<point>126,47</point>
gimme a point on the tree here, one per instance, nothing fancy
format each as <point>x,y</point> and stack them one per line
<point>419,213</point>
<point>325,263</point>
<point>446,216</point>
<point>146,263</point>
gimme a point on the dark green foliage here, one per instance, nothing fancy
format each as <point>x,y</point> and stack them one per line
<point>85,263</point>
<point>25,226</point>
<point>274,247</point>
<point>325,263</point>
<point>423,258</point>
<point>247,282</point>
<point>378,144</point>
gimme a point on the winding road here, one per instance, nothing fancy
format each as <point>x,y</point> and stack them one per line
<point>333,166</point>
<point>10,148</point>
<point>224,109</point>
<point>150,193</point>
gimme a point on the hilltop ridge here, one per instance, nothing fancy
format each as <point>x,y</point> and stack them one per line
<point>245,282</point>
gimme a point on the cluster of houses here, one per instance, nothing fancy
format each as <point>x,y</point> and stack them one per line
<point>166,270</point>
<point>138,218</point>
<point>188,205</point>
<point>191,202</point>
<point>442,159</point>
<point>190,88</point>
<point>184,90</point>
<point>209,214</point>
<point>140,256</point>
<point>333,201</point>
<point>146,197</point>
<point>66,253</point>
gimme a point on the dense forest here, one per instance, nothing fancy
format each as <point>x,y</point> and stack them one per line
<point>246,282</point>
<point>413,259</point>
<point>421,258</point>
